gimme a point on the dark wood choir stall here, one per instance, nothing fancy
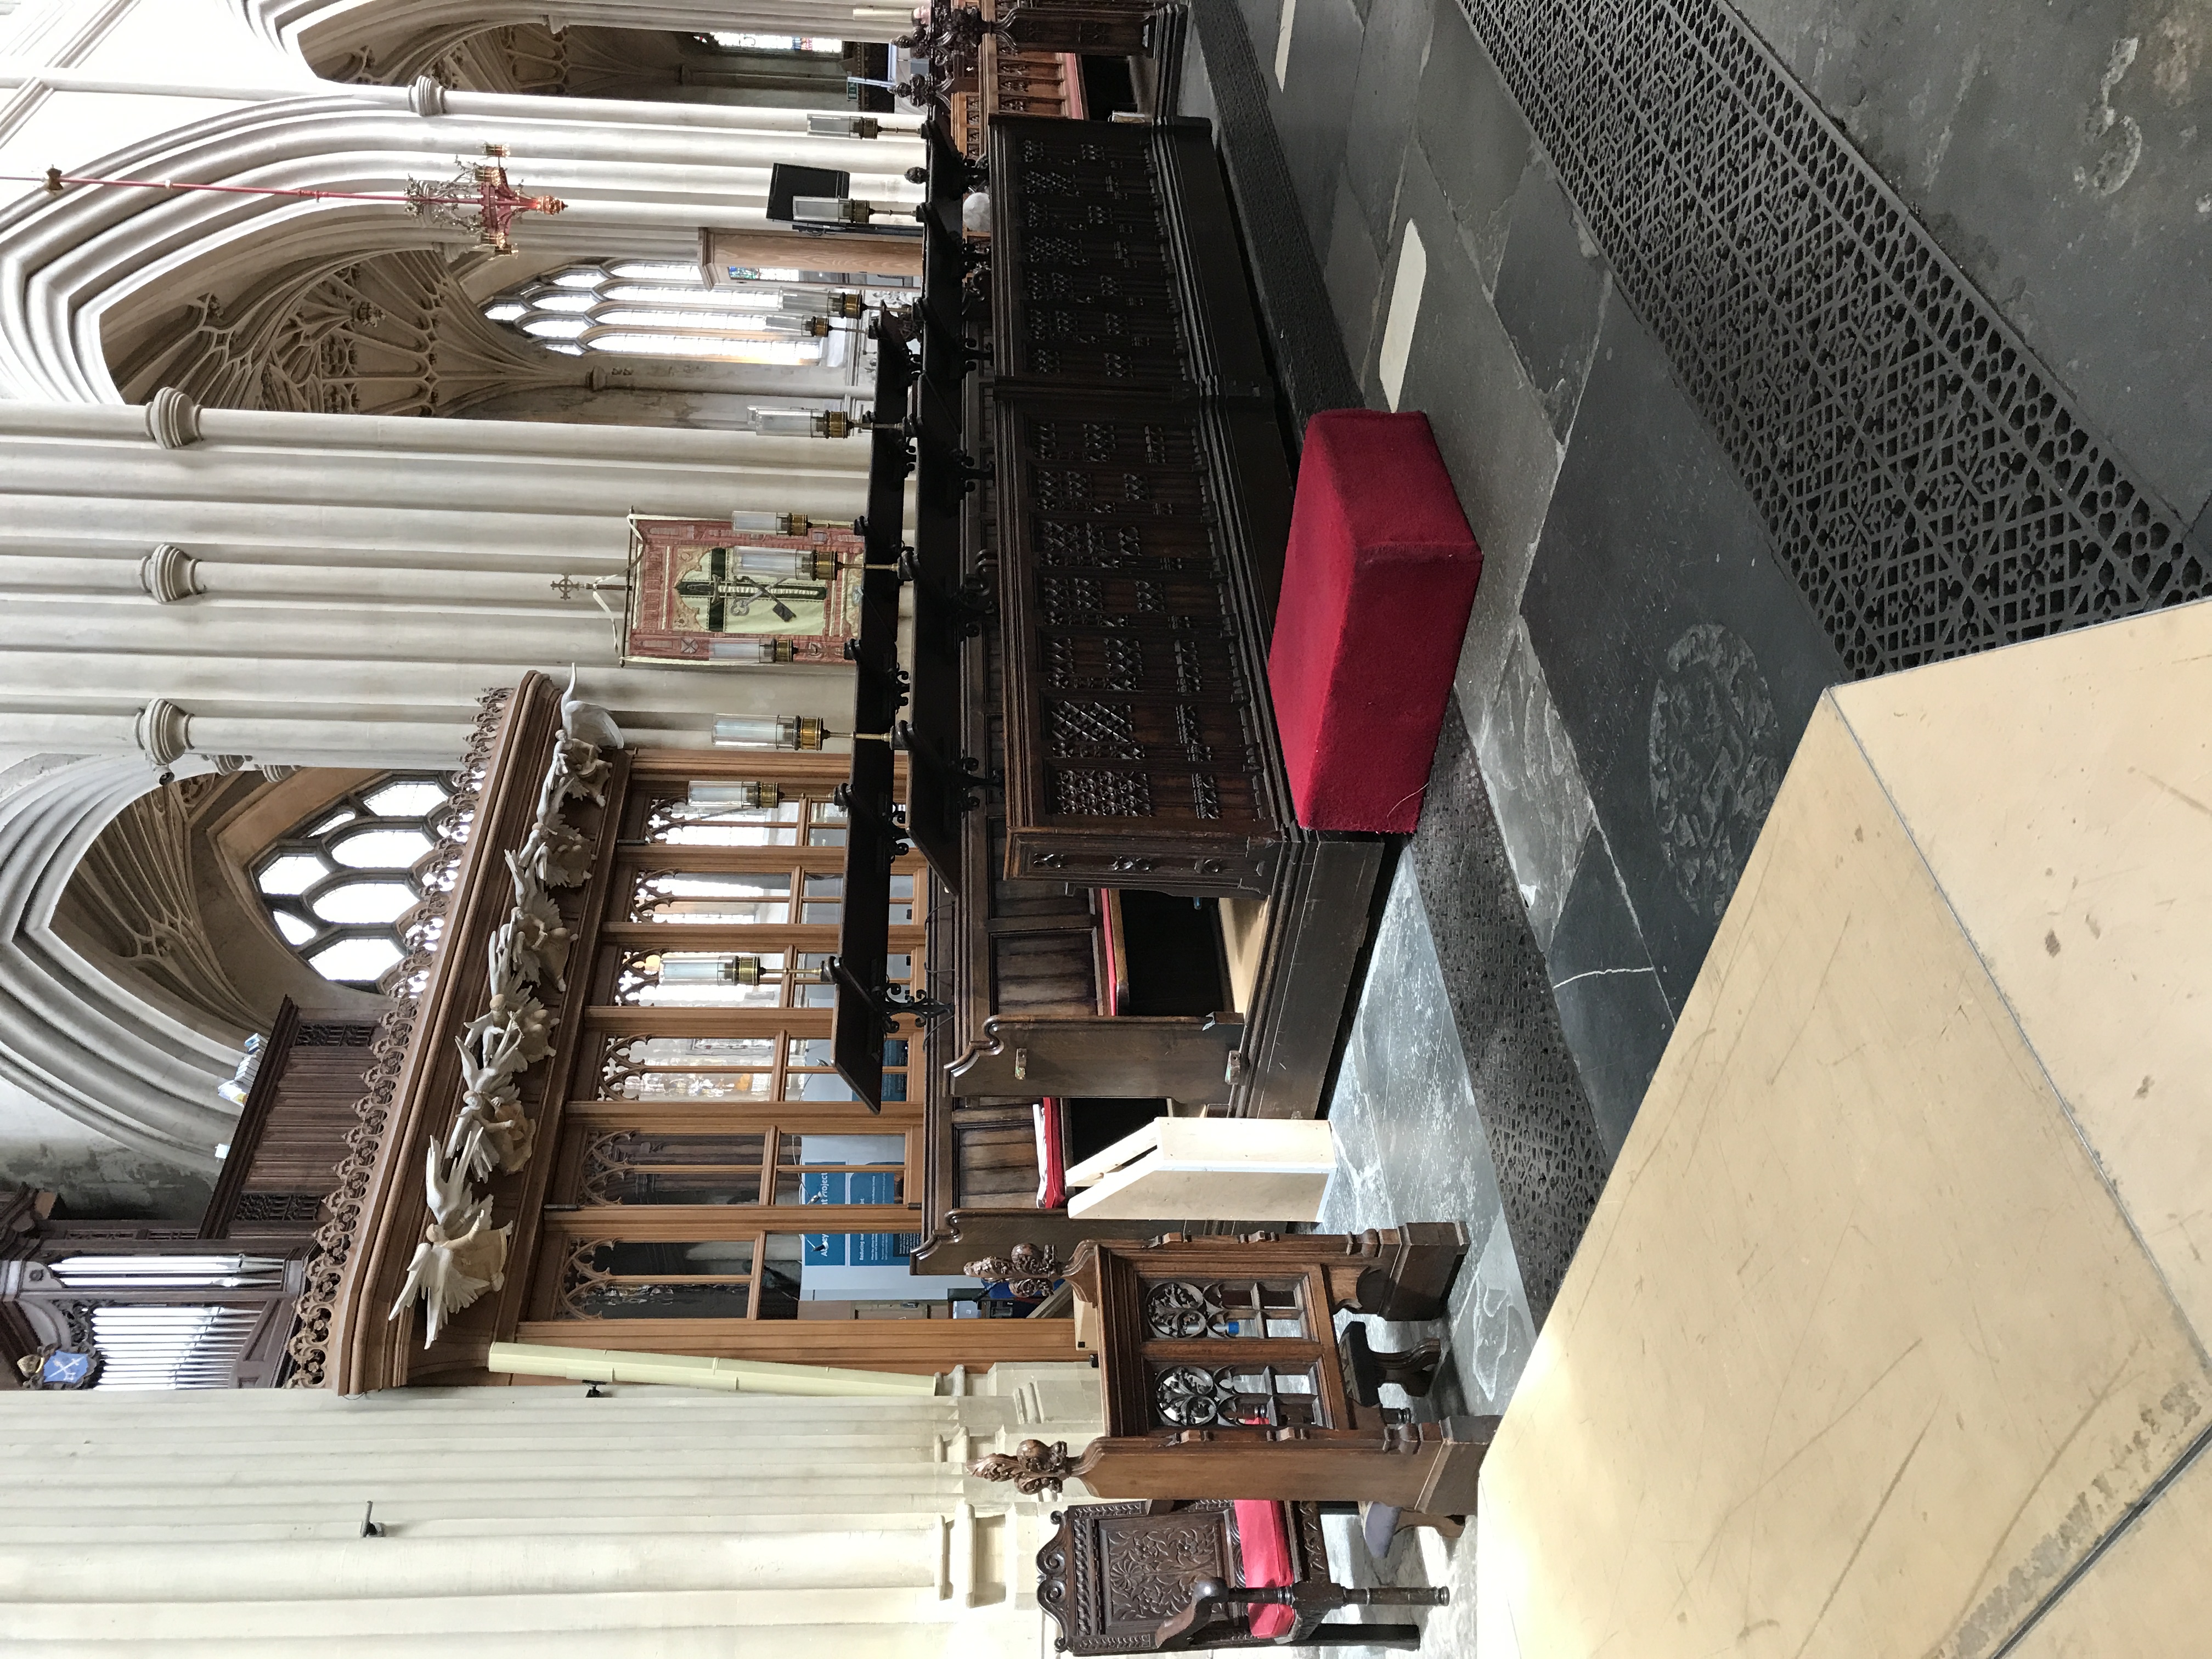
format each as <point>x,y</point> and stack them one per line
<point>691,1161</point>
<point>1160,1575</point>
<point>1126,913</point>
<point>1059,865</point>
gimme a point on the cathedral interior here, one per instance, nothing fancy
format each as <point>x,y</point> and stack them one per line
<point>1448,759</point>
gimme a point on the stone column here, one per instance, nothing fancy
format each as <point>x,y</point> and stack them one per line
<point>518,1521</point>
<point>339,589</point>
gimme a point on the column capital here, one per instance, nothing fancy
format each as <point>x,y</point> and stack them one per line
<point>425,96</point>
<point>169,575</point>
<point>164,732</point>
<point>172,420</point>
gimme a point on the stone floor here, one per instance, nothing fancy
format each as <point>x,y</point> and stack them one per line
<point>1433,228</point>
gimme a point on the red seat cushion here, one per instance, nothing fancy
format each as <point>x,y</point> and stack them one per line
<point>1263,1558</point>
<point>1052,1155</point>
<point>1378,583</point>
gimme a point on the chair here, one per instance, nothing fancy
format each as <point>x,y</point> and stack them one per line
<point>1165,1575</point>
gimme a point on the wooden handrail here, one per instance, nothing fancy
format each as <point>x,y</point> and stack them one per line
<point>253,1121</point>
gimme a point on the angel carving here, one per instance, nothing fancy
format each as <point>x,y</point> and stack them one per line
<point>554,855</point>
<point>509,985</point>
<point>486,1076</point>
<point>587,723</point>
<point>529,890</point>
<point>510,1039</point>
<point>577,770</point>
<point>449,1272</point>
<point>540,942</point>
<point>453,1206</point>
<point>492,1133</point>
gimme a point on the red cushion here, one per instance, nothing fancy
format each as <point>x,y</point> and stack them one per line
<point>1052,1156</point>
<point>1378,583</point>
<point>1263,1552</point>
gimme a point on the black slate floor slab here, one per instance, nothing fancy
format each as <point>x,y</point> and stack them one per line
<point>1683,660</point>
<point>1614,1016</point>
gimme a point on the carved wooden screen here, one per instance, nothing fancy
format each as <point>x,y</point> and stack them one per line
<point>1133,703</point>
<point>703,1128</point>
<point>1084,284</point>
<point>1133,436</point>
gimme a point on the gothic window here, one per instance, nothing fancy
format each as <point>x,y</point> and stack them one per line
<point>337,886</point>
<point>664,308</point>
<point>739,40</point>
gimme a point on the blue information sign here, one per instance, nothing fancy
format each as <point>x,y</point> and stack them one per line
<point>854,1249</point>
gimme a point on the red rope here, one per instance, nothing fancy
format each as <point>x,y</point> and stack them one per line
<point>52,180</point>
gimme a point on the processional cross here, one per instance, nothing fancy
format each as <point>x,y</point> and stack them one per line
<point>479,198</point>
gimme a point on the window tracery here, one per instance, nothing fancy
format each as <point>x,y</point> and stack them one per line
<point>340,884</point>
<point>666,308</point>
<point>391,335</point>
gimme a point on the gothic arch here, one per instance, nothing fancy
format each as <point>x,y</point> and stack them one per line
<point>642,175</point>
<point>85,1043</point>
<point>393,41</point>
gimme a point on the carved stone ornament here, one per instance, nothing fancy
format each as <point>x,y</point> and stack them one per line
<point>169,575</point>
<point>1033,1466</point>
<point>425,96</point>
<point>54,1367</point>
<point>163,731</point>
<point>172,420</point>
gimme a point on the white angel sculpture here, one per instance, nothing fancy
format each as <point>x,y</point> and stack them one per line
<point>508,984</point>
<point>453,1206</point>
<point>576,770</point>
<point>510,1039</point>
<point>540,941</point>
<point>492,1133</point>
<point>554,855</point>
<point>449,1272</point>
<point>485,1075</point>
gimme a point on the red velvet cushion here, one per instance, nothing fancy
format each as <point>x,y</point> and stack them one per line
<point>1378,583</point>
<point>1263,1549</point>
<point>1052,1156</point>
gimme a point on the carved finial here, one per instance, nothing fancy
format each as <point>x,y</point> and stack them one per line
<point>1033,1466</point>
<point>1028,1271</point>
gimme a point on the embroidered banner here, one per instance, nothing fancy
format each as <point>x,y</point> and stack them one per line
<point>700,592</point>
